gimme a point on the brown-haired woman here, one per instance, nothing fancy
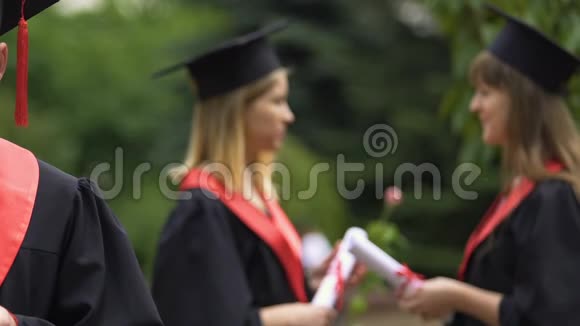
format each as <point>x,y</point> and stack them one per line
<point>521,264</point>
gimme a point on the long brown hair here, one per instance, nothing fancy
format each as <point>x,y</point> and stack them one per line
<point>540,127</point>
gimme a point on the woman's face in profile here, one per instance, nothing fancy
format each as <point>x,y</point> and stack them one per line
<point>268,117</point>
<point>491,104</point>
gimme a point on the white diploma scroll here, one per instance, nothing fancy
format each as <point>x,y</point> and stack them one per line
<point>356,246</point>
<point>344,261</point>
<point>399,276</point>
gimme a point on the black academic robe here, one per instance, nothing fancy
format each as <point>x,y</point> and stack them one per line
<point>75,266</point>
<point>211,269</point>
<point>533,259</point>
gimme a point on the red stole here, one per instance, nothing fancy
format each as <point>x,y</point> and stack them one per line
<point>497,213</point>
<point>19,175</point>
<point>277,232</point>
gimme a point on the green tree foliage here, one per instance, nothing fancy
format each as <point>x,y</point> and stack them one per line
<point>469,27</point>
<point>91,93</point>
<point>355,65</point>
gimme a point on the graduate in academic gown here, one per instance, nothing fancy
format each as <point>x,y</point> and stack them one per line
<point>521,264</point>
<point>228,254</point>
<point>64,258</point>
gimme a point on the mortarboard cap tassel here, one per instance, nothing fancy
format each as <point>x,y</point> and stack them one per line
<point>21,113</point>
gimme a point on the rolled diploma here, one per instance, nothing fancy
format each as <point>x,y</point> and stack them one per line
<point>382,263</point>
<point>326,295</point>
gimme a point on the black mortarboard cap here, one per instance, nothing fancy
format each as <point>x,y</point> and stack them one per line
<point>11,11</point>
<point>15,13</point>
<point>232,64</point>
<point>533,54</point>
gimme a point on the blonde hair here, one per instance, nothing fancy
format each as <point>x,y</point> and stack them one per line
<point>540,126</point>
<point>218,140</point>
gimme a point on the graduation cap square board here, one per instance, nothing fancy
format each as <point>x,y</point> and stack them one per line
<point>232,64</point>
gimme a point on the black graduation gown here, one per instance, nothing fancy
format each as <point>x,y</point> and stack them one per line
<point>211,269</point>
<point>533,259</point>
<point>75,266</point>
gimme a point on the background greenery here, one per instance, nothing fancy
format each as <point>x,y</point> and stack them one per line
<point>355,64</point>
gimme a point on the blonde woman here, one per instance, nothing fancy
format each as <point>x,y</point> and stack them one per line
<point>228,254</point>
<point>521,265</point>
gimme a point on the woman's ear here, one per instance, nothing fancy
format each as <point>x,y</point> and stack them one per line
<point>3,59</point>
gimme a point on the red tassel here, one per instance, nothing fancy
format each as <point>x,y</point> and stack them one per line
<point>21,113</point>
